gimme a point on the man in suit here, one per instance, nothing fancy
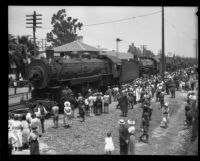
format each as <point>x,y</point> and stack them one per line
<point>123,102</point>
<point>172,89</point>
<point>123,137</point>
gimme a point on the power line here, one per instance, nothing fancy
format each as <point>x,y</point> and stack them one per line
<point>120,20</point>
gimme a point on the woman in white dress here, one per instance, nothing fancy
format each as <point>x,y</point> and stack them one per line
<point>17,131</point>
<point>109,146</point>
<point>25,132</point>
<point>137,94</point>
<point>10,121</point>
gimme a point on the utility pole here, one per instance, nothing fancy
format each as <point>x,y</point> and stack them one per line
<point>118,40</point>
<point>33,21</point>
<point>43,44</point>
<point>197,51</point>
<point>163,46</point>
<point>196,46</point>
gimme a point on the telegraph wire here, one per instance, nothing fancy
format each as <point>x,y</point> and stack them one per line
<point>108,22</point>
<point>120,20</point>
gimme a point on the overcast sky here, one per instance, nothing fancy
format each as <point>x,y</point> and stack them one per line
<point>180,26</point>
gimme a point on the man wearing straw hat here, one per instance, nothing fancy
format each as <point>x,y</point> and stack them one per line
<point>123,137</point>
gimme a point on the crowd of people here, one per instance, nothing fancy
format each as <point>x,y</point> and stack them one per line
<point>25,131</point>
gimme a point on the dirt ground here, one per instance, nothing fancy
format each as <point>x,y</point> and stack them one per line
<point>88,137</point>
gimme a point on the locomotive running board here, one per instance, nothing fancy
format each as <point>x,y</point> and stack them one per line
<point>94,76</point>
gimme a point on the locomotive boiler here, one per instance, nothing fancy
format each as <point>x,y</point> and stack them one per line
<point>49,76</point>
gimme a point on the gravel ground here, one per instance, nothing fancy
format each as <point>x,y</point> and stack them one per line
<point>88,137</point>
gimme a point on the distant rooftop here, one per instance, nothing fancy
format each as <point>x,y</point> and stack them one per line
<point>120,54</point>
<point>76,46</point>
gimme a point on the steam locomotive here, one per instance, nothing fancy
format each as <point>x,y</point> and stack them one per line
<point>48,76</point>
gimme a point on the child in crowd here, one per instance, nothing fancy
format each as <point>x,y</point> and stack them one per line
<point>109,146</point>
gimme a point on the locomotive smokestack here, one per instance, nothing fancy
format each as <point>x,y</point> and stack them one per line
<point>49,54</point>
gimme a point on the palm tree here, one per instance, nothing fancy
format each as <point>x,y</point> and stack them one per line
<point>18,49</point>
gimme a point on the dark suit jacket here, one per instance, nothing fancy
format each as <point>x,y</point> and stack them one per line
<point>123,102</point>
<point>123,135</point>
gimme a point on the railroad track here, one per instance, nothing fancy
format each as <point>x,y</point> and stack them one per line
<point>19,94</point>
<point>16,107</point>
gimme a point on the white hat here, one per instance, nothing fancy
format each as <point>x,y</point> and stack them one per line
<point>68,110</point>
<point>194,98</point>
<point>166,104</point>
<point>190,97</point>
<point>164,119</point>
<point>121,122</point>
<point>67,103</point>
<point>131,130</point>
<point>131,122</point>
<point>189,92</point>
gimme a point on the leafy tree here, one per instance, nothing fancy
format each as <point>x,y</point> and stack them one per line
<point>135,51</point>
<point>64,29</point>
<point>148,53</point>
